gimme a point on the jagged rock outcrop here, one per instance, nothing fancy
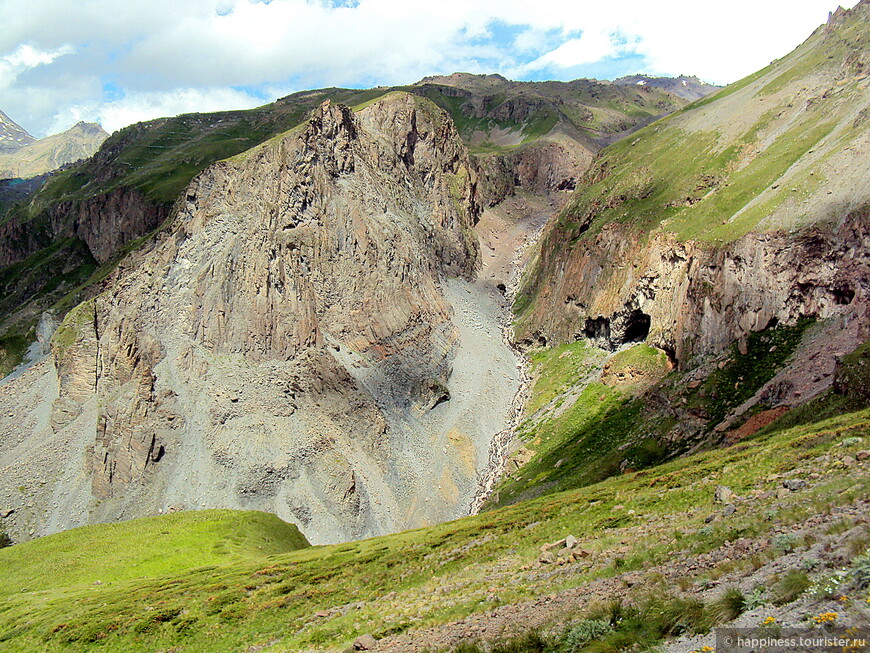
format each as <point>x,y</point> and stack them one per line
<point>539,168</point>
<point>279,345</point>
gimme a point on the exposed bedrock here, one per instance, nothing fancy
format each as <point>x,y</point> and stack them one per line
<point>692,298</point>
<point>288,345</point>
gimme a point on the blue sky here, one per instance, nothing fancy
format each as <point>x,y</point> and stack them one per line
<point>120,61</point>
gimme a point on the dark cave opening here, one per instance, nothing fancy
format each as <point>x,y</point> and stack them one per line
<point>637,326</point>
<point>597,327</point>
<point>843,295</point>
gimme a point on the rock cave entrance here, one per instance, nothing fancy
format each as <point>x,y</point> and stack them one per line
<point>636,326</point>
<point>597,328</point>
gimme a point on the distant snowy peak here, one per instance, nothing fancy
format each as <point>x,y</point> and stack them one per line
<point>689,88</point>
<point>12,136</point>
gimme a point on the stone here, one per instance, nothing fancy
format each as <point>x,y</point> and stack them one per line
<point>709,518</point>
<point>723,494</point>
<point>848,461</point>
<point>570,542</point>
<point>364,643</point>
<point>782,493</point>
<point>794,484</point>
<point>582,553</point>
<point>5,513</point>
<point>729,510</point>
<point>547,558</point>
<point>863,454</point>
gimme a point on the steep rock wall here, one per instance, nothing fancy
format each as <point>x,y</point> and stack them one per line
<point>219,370</point>
<point>692,298</point>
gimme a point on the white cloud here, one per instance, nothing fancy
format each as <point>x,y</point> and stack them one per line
<point>589,48</point>
<point>153,48</point>
<point>137,107</point>
<point>25,57</point>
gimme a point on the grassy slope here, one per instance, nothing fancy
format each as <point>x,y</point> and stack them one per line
<point>144,548</point>
<point>435,574</point>
<point>582,107</point>
<point>581,430</point>
<point>692,174</point>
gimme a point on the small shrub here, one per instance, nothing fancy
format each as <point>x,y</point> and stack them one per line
<point>5,540</point>
<point>528,643</point>
<point>611,611</point>
<point>791,586</point>
<point>859,543</point>
<point>756,598</point>
<point>786,542</point>
<point>810,563</point>
<point>729,606</point>
<point>585,632</point>
<point>861,570</point>
<point>830,585</point>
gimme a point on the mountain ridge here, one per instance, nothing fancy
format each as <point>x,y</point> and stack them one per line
<point>47,154</point>
<point>13,136</point>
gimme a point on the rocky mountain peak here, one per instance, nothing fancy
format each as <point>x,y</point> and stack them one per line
<point>12,136</point>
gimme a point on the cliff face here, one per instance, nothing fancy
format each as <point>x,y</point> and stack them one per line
<point>279,346</point>
<point>690,299</point>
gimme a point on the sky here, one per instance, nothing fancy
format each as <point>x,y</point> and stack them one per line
<point>117,62</point>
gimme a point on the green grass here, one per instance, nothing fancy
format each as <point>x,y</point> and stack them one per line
<point>744,374</point>
<point>144,548</point>
<point>650,362</point>
<point>583,444</point>
<point>439,573</point>
<point>555,369</point>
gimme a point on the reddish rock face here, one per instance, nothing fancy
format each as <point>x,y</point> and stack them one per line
<point>695,298</point>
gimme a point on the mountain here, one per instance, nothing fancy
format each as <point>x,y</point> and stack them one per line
<point>12,136</point>
<point>689,88</point>
<point>88,216</point>
<point>53,152</point>
<point>541,136</point>
<point>709,273</point>
<point>286,342</point>
<point>319,327</point>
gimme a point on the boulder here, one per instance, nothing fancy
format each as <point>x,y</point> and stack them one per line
<point>729,510</point>
<point>570,542</point>
<point>723,494</point>
<point>364,643</point>
<point>794,484</point>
